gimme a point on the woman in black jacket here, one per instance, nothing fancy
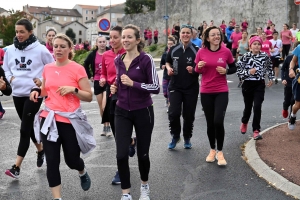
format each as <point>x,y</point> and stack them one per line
<point>5,89</point>
<point>93,66</point>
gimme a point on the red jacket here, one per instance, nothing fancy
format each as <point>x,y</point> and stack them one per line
<point>2,52</point>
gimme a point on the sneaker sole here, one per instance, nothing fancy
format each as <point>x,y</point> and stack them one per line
<point>116,183</point>
<point>220,164</point>
<point>8,173</point>
<point>187,147</point>
<point>103,134</point>
<point>258,138</point>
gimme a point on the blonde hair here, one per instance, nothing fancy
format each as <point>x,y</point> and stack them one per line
<point>68,40</point>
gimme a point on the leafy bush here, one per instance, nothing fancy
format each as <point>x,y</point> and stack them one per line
<point>80,56</point>
<point>153,47</point>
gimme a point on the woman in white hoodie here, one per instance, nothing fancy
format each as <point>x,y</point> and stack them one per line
<point>23,64</point>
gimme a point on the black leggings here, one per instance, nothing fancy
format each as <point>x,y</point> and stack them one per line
<point>285,50</point>
<point>68,140</point>
<point>143,121</point>
<point>214,107</point>
<point>288,98</point>
<point>109,110</point>
<point>26,110</point>
<point>254,93</point>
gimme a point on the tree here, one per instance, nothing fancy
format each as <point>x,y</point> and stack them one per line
<point>7,25</point>
<point>138,6</point>
<point>48,17</point>
<point>70,33</point>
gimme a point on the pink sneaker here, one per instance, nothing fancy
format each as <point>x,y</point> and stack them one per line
<point>243,128</point>
<point>2,114</point>
<point>256,135</point>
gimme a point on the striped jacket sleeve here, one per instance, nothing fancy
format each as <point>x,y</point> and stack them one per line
<point>241,71</point>
<point>150,71</point>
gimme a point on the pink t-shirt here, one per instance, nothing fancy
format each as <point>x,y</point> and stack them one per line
<point>155,33</point>
<point>223,28</point>
<point>212,81</point>
<point>149,34</point>
<point>269,32</point>
<point>285,36</point>
<point>265,47</point>
<point>98,66</point>
<point>235,37</point>
<point>54,76</point>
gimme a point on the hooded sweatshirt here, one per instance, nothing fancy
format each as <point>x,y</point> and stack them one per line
<point>24,66</point>
<point>142,72</point>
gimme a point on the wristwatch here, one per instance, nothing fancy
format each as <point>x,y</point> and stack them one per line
<point>76,91</point>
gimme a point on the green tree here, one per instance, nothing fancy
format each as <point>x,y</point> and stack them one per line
<point>7,25</point>
<point>70,33</point>
<point>48,17</point>
<point>138,6</point>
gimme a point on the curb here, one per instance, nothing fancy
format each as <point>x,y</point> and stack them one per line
<point>264,171</point>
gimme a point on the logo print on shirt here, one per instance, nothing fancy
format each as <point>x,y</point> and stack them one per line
<point>23,65</point>
<point>220,60</point>
<point>189,59</point>
<point>138,67</point>
<point>57,73</point>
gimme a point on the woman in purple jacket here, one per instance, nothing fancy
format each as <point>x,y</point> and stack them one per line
<point>135,81</point>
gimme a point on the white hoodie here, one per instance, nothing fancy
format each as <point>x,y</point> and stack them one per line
<point>24,66</point>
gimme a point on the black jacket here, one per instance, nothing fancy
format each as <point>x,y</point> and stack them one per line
<point>285,70</point>
<point>8,90</point>
<point>163,62</point>
<point>184,57</point>
<point>90,60</point>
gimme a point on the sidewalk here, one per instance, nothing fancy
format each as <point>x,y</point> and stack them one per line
<point>275,158</point>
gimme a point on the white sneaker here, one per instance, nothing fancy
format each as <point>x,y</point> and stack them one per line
<point>145,191</point>
<point>126,197</point>
<point>104,131</point>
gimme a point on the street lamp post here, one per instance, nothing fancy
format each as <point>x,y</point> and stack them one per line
<point>166,2</point>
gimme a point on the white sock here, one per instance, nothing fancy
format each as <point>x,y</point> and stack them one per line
<point>84,172</point>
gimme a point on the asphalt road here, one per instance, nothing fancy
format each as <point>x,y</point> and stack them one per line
<point>177,174</point>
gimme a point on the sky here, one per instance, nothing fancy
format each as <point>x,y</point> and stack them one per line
<point>18,4</point>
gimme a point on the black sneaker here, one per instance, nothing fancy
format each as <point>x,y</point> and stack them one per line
<point>85,181</point>
<point>13,172</point>
<point>240,84</point>
<point>276,81</point>
<point>40,158</point>
<point>132,148</point>
<point>116,180</point>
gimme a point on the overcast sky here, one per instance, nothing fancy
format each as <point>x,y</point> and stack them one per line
<point>18,4</point>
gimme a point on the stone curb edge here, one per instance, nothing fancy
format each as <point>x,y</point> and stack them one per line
<point>264,171</point>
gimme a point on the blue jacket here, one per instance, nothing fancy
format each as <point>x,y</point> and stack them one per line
<point>229,30</point>
<point>142,72</point>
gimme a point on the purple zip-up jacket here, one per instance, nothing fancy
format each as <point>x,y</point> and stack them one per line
<point>142,72</point>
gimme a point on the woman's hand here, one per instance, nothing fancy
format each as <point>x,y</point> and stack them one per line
<point>270,83</point>
<point>126,80</point>
<point>170,71</point>
<point>102,82</point>
<point>221,70</point>
<point>189,69</point>
<point>2,84</point>
<point>113,89</point>
<point>284,82</point>
<point>64,90</point>
<point>34,96</point>
<point>37,82</point>
<point>201,64</point>
<point>252,71</point>
<point>163,66</point>
<point>291,73</point>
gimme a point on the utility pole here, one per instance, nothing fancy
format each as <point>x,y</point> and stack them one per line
<point>110,12</point>
<point>167,18</point>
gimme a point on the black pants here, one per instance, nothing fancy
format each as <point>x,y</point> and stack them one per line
<point>143,121</point>
<point>253,93</point>
<point>229,45</point>
<point>106,112</point>
<point>288,98</point>
<point>214,107</point>
<point>185,100</point>
<point>26,110</point>
<point>68,140</point>
<point>155,40</point>
<point>285,50</point>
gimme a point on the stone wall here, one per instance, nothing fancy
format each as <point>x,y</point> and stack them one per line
<point>257,12</point>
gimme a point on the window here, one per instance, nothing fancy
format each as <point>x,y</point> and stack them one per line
<point>86,18</point>
<point>72,19</point>
<point>113,15</point>
<point>86,12</point>
<point>57,18</point>
<point>80,40</point>
<point>65,18</point>
<point>80,33</point>
<point>92,12</point>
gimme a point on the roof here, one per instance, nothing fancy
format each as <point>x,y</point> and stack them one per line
<point>91,21</point>
<point>50,20</point>
<point>2,10</point>
<point>118,8</point>
<point>53,11</point>
<point>68,23</point>
<point>88,7</point>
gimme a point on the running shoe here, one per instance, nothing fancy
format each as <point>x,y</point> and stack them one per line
<point>108,132</point>
<point>285,113</point>
<point>276,81</point>
<point>126,197</point>
<point>221,159</point>
<point>145,192</point>
<point>256,135</point>
<point>116,180</point>
<point>166,103</point>
<point>211,156</point>
<point>104,132</point>
<point>2,114</point>
<point>132,148</point>
<point>40,158</point>
<point>85,181</point>
<point>13,172</point>
<point>173,143</point>
<point>240,84</point>
<point>243,128</point>
<point>292,123</point>
<point>187,144</point>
